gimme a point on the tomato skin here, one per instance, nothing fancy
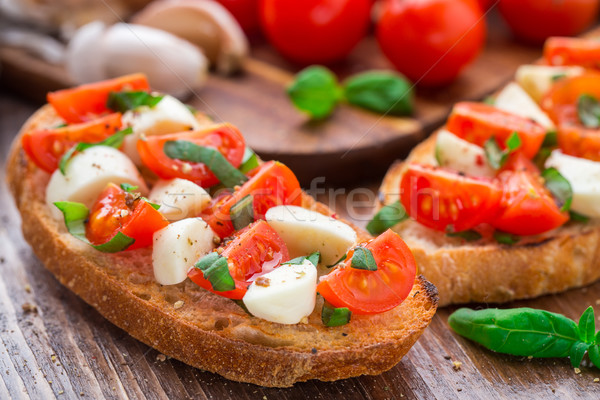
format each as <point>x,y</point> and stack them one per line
<point>86,102</point>
<point>431,41</point>
<point>272,184</point>
<point>385,288</point>
<point>572,51</point>
<point>527,206</point>
<point>477,122</point>
<point>248,254</point>
<point>119,211</point>
<point>443,199</point>
<point>245,12</point>
<point>224,137</point>
<point>314,31</point>
<point>45,147</point>
<point>536,20</point>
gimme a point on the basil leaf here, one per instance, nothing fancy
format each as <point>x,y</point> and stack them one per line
<point>551,139</point>
<point>314,258</point>
<point>518,331</point>
<point>342,258</point>
<point>578,217</point>
<point>215,269</point>
<point>212,158</point>
<point>363,259</point>
<point>115,140</point>
<point>249,162</point>
<point>331,316</point>
<point>125,101</point>
<point>381,91</point>
<point>557,77</point>
<point>506,238</point>
<point>559,186</point>
<point>577,352</point>
<point>129,187</point>
<point>469,236</point>
<point>513,142</point>
<point>496,157</point>
<point>315,91</point>
<point>387,217</point>
<point>594,355</point>
<point>588,110</point>
<point>242,212</point>
<point>76,214</point>
<point>587,326</point>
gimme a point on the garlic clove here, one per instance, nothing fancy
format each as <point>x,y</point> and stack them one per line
<point>84,61</point>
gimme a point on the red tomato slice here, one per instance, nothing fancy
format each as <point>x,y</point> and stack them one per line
<point>446,200</point>
<point>119,211</point>
<point>572,51</point>
<point>527,206</point>
<point>371,292</point>
<point>45,147</point>
<point>224,137</point>
<point>255,250</point>
<point>272,184</point>
<point>477,122</point>
<point>86,102</point>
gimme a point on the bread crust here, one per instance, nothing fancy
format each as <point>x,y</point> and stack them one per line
<point>198,327</point>
<point>488,272</point>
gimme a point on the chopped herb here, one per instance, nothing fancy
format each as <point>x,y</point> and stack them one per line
<point>578,217</point>
<point>557,77</point>
<point>495,155</point>
<point>242,212</point>
<point>559,186</point>
<point>332,316</point>
<point>314,258</point>
<point>387,217</point>
<point>513,142</point>
<point>588,110</point>
<point>129,188</point>
<point>551,139</point>
<point>249,162</point>
<point>363,259</point>
<point>125,101</point>
<point>506,238</point>
<point>342,258</point>
<point>215,269</point>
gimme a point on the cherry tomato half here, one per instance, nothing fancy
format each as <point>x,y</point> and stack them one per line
<point>477,122</point>
<point>119,211</point>
<point>224,137</point>
<point>431,41</point>
<point>446,200</point>
<point>254,250</point>
<point>45,147</point>
<point>86,102</point>
<point>272,184</point>
<point>572,51</point>
<point>315,31</point>
<point>371,292</point>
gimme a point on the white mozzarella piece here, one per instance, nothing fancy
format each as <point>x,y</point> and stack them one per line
<point>87,175</point>
<point>177,247</point>
<point>584,177</point>
<point>179,198</point>
<point>516,101</point>
<point>168,116</point>
<point>285,295</point>
<point>462,156</point>
<point>306,231</point>
<point>538,79</point>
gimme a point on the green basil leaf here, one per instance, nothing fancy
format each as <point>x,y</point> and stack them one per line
<point>506,238</point>
<point>551,139</point>
<point>578,217</point>
<point>331,316</point>
<point>115,140</point>
<point>594,355</point>
<point>577,352</point>
<point>380,91</point>
<point>387,217</point>
<point>517,331</point>
<point>588,110</point>
<point>249,162</point>
<point>513,142</point>
<point>125,101</point>
<point>587,326</point>
<point>314,258</point>
<point>153,205</point>
<point>469,236</point>
<point>215,269</point>
<point>496,157</point>
<point>342,258</point>
<point>129,188</point>
<point>363,259</point>
<point>315,91</point>
<point>242,212</point>
<point>557,77</point>
<point>597,340</point>
<point>212,158</point>
<point>76,214</point>
<point>559,186</point>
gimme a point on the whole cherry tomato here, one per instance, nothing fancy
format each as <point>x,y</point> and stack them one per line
<point>431,41</point>
<point>315,31</point>
<point>245,12</point>
<point>536,20</point>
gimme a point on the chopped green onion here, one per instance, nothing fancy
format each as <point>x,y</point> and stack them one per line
<point>249,162</point>
<point>363,259</point>
<point>387,217</point>
<point>506,238</point>
<point>242,212</point>
<point>76,214</point>
<point>212,158</point>
<point>125,101</point>
<point>215,269</point>
<point>314,258</point>
<point>559,186</point>
<point>332,316</point>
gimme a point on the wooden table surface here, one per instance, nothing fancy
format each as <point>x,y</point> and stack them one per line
<point>53,345</point>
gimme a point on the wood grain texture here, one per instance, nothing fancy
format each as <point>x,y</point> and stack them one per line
<point>66,350</point>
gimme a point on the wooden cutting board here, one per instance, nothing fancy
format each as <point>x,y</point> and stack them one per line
<point>350,146</point>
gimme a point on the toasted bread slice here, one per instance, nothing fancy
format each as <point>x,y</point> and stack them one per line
<point>198,327</point>
<point>485,271</point>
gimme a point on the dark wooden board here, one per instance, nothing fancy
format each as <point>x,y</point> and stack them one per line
<point>66,350</point>
<point>352,144</point>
